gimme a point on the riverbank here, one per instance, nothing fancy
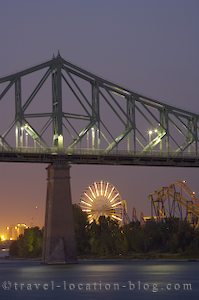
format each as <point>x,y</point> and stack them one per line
<point>134,256</point>
<point>149,255</point>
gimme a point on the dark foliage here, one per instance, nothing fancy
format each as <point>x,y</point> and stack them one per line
<point>29,244</point>
<point>107,238</point>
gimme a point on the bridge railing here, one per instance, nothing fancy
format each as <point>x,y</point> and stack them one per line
<point>97,152</point>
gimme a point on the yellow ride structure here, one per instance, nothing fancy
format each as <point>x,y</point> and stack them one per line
<point>176,200</point>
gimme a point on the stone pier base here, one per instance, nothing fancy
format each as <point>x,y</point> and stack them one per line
<point>59,245</point>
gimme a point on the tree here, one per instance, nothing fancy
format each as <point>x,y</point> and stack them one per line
<point>81,230</point>
<point>106,238</point>
<point>29,244</point>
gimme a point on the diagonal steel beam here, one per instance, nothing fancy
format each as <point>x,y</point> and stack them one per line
<point>36,90</point>
<point>75,94</point>
<point>6,89</point>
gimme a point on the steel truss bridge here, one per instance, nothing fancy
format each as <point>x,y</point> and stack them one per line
<point>175,201</point>
<point>61,114</point>
<point>56,111</point>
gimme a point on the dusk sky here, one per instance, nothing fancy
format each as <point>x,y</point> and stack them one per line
<point>149,46</point>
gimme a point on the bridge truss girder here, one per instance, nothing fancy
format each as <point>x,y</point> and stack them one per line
<point>108,119</point>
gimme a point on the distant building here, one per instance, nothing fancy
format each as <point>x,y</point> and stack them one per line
<point>11,233</point>
<point>21,228</point>
<point>14,231</point>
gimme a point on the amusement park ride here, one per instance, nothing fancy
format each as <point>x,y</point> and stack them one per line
<point>102,199</point>
<point>173,201</point>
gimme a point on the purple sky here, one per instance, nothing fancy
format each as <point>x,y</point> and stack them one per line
<point>150,46</point>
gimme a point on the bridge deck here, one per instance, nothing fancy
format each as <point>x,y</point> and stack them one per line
<point>100,157</point>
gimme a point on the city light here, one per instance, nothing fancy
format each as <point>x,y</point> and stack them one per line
<point>3,237</point>
<point>12,232</point>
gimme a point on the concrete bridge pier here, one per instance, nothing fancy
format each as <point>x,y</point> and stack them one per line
<point>59,245</point>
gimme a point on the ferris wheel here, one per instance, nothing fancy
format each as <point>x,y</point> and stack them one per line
<point>101,198</point>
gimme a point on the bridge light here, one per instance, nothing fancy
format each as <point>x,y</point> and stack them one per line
<point>150,132</point>
<point>184,181</point>
<point>156,131</point>
<point>60,140</point>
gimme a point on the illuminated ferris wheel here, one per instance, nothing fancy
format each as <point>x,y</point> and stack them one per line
<point>102,199</point>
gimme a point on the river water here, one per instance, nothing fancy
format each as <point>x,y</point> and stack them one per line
<point>100,279</point>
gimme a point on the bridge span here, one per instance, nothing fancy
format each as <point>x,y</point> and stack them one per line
<point>60,114</point>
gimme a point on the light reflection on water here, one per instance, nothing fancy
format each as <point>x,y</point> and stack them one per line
<point>135,279</point>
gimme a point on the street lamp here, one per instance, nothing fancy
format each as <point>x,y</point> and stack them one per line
<point>150,132</point>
